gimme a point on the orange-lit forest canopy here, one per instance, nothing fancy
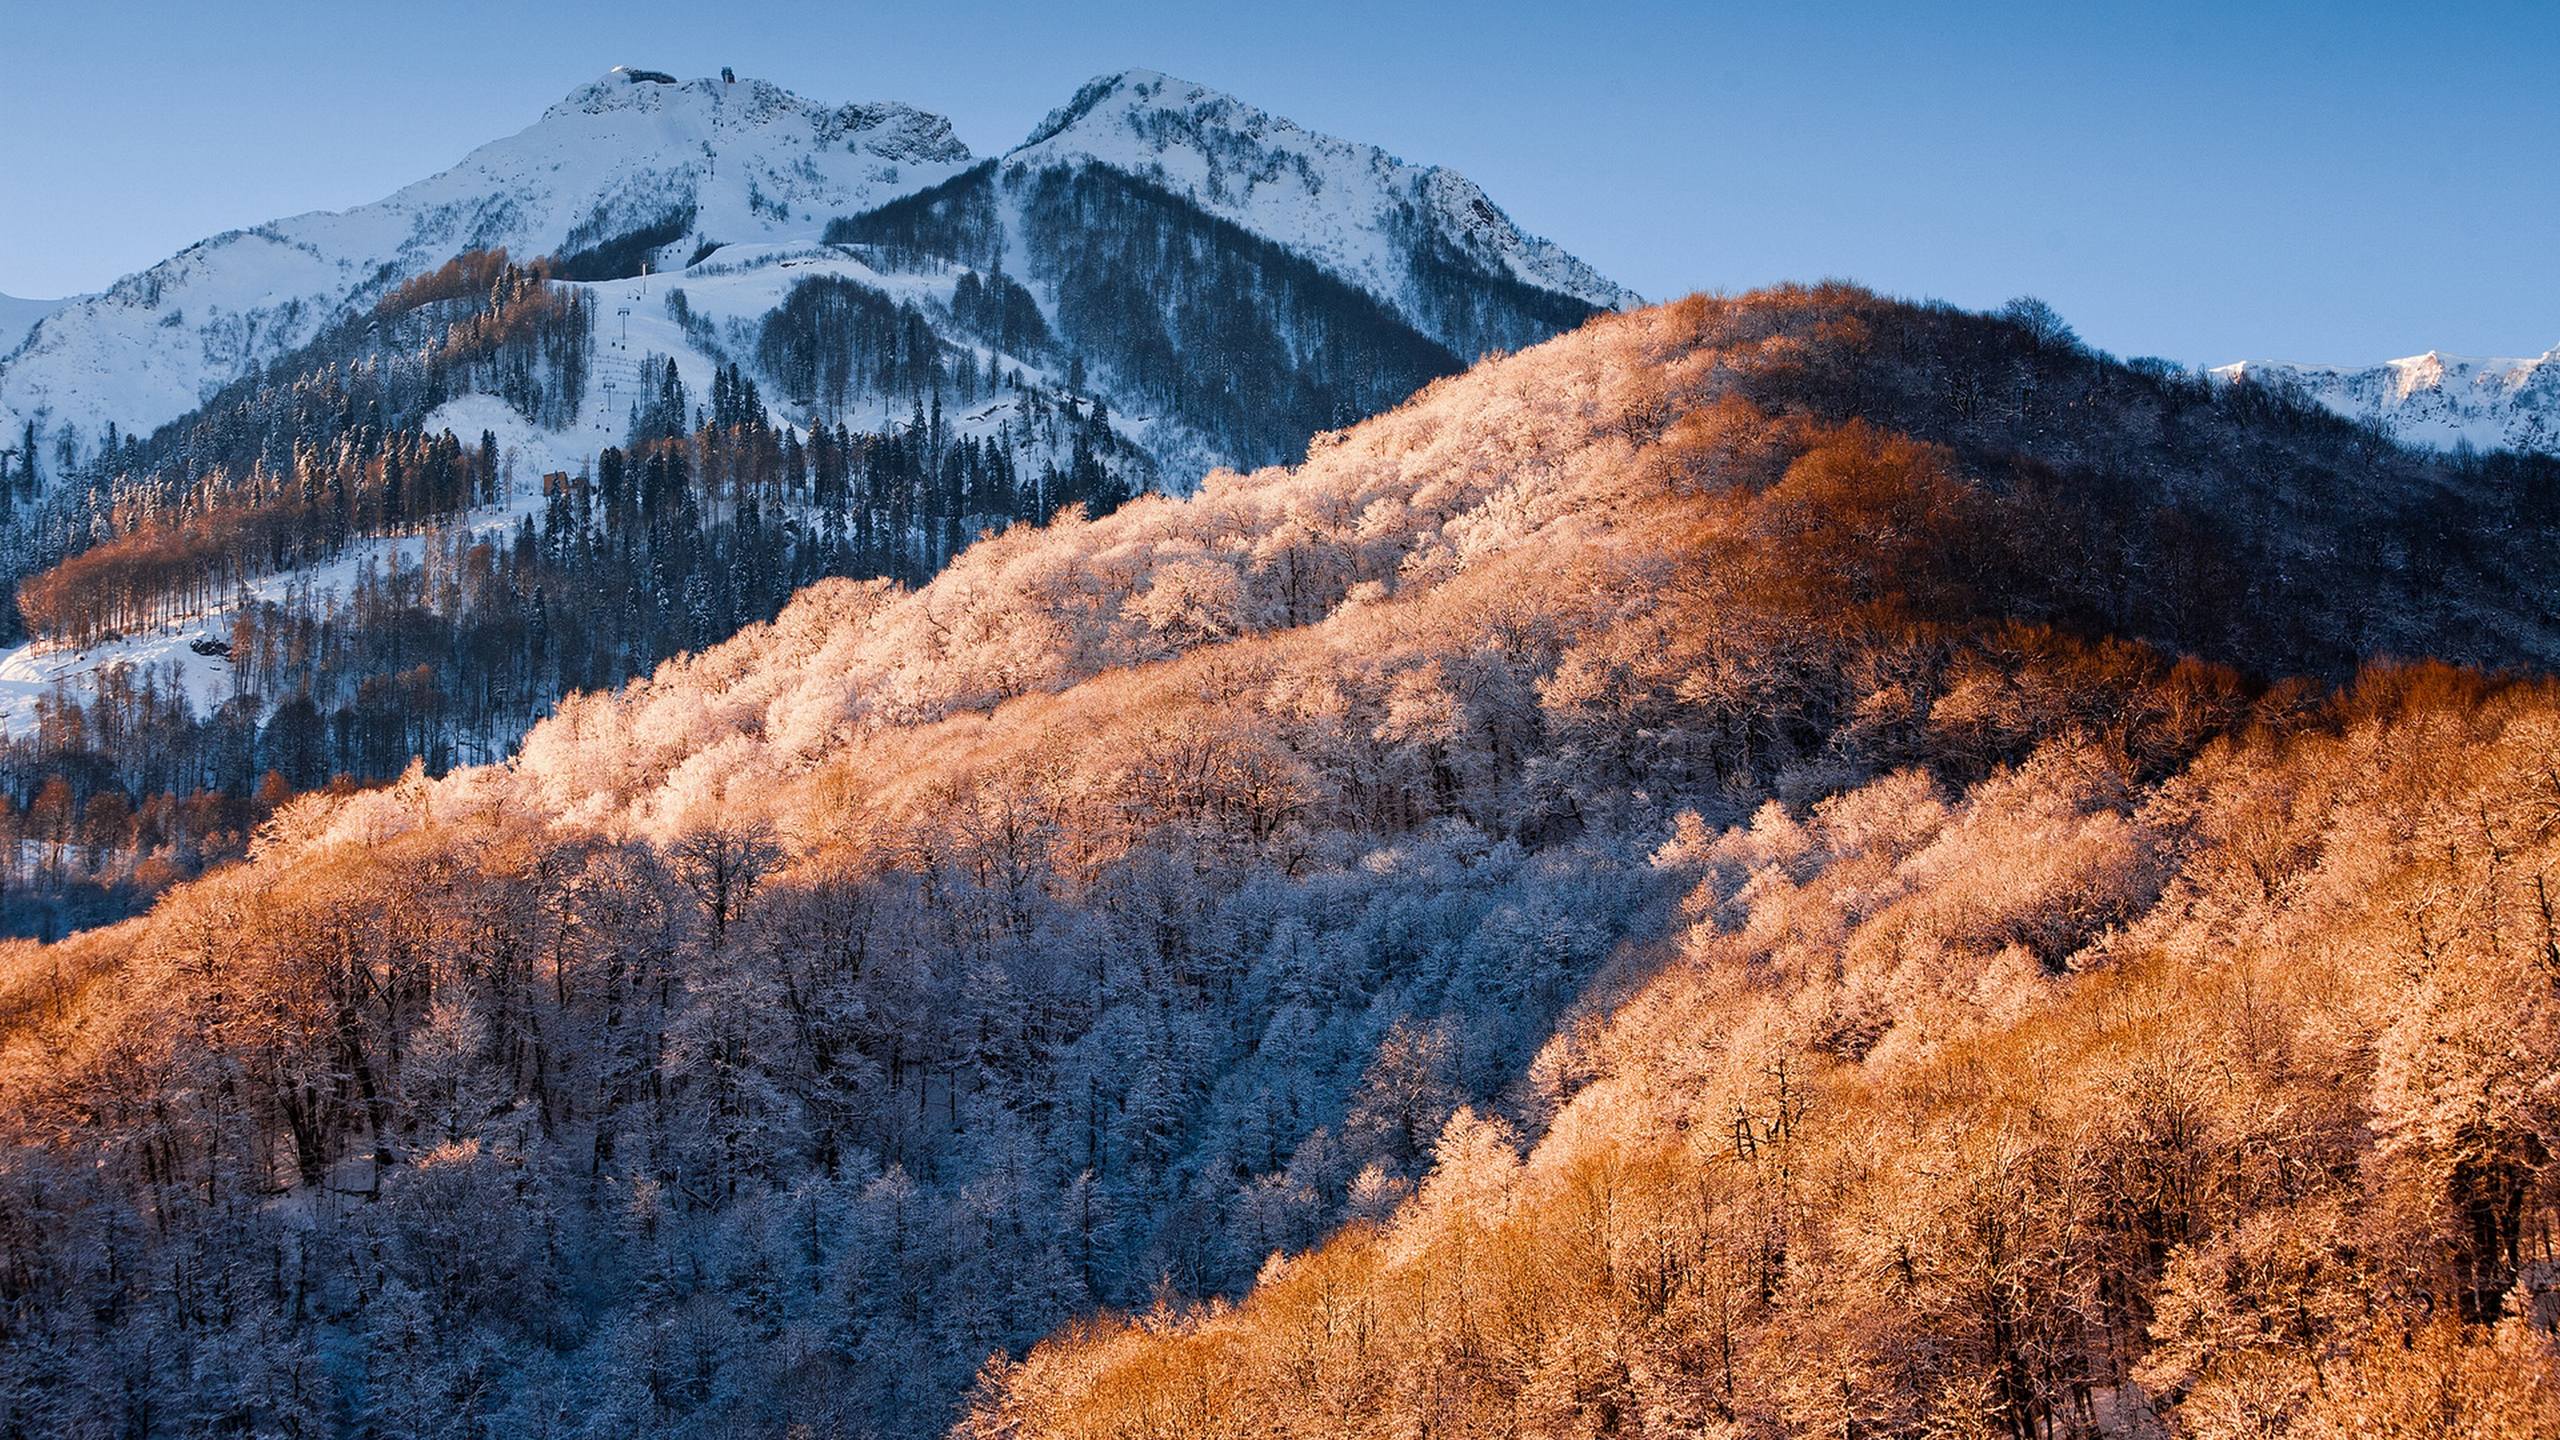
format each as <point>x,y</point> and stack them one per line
<point>2050,1106</point>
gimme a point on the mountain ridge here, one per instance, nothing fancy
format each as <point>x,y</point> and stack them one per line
<point>2434,399</point>
<point>630,151</point>
<point>1160,127</point>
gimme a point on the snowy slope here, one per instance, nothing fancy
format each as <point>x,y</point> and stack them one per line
<point>18,316</point>
<point>754,161</point>
<point>635,332</point>
<point>1348,206</point>
<point>2435,399</point>
<point>728,294</point>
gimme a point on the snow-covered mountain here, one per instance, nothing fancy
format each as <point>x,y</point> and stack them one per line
<point>743,161</point>
<point>1354,208</point>
<point>2435,399</point>
<point>638,162</point>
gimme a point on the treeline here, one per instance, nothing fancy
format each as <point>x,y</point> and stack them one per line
<point>833,341</point>
<point>1247,343</point>
<point>956,222</point>
<point>505,332</point>
<point>997,310</point>
<point>1483,308</point>
<point>593,255</point>
<point>1251,344</point>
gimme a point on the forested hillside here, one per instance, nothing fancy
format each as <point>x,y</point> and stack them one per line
<point>1253,347</point>
<point>498,480</point>
<point>1790,864</point>
<point>364,587</point>
<point>2054,1104</point>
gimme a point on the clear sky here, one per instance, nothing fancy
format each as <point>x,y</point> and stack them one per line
<point>2344,181</point>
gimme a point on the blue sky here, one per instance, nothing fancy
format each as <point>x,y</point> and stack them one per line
<point>2203,181</point>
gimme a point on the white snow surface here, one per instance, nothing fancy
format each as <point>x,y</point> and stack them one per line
<point>1335,201</point>
<point>19,316</point>
<point>2435,399</point>
<point>756,162</point>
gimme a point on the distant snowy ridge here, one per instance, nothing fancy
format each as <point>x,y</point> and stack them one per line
<point>2435,399</point>
<point>1348,206</point>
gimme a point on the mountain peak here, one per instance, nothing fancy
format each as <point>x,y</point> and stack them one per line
<point>1094,94</point>
<point>1131,113</point>
<point>1354,208</point>
<point>626,87</point>
<point>632,151</point>
<point>729,103</point>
